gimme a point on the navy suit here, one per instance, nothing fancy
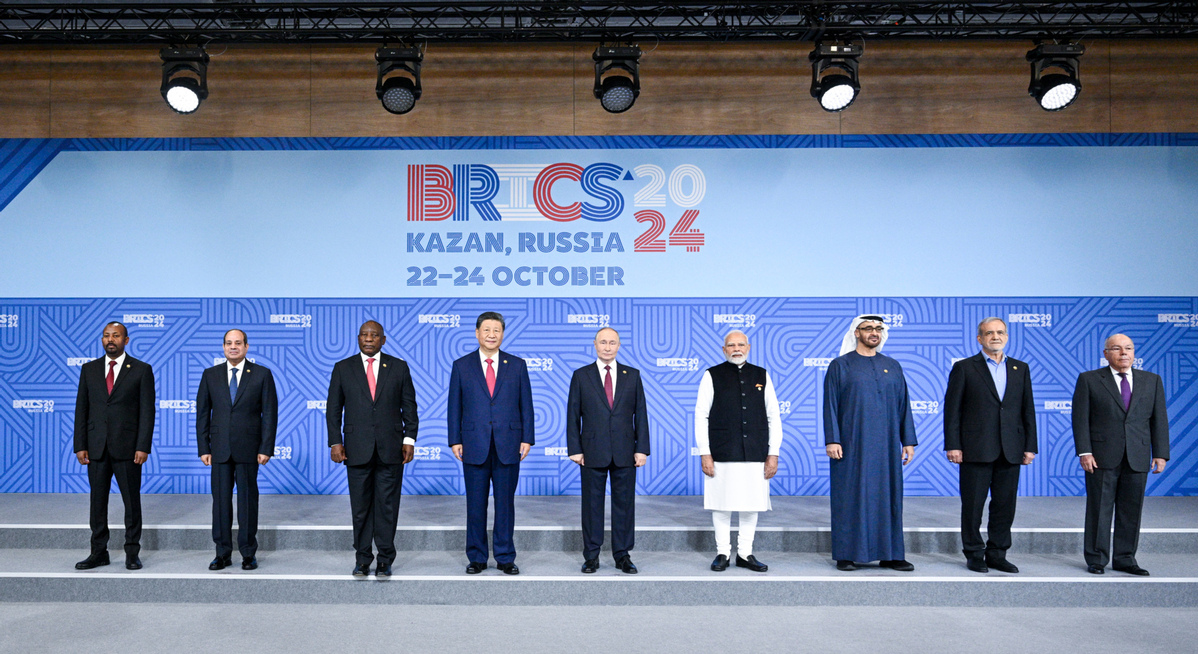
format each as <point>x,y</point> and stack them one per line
<point>608,437</point>
<point>112,428</point>
<point>234,431</point>
<point>373,435</point>
<point>1123,443</point>
<point>490,431</point>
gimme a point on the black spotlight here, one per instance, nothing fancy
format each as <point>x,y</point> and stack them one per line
<point>835,91</point>
<point>184,78</point>
<point>617,92</point>
<point>400,92</point>
<point>1055,91</point>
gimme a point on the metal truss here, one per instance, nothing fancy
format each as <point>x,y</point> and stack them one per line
<point>246,21</point>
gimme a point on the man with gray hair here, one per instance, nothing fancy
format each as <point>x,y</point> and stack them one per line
<point>989,431</point>
<point>739,432</point>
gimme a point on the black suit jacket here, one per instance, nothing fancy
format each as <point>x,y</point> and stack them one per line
<point>237,430</point>
<point>370,426</point>
<point>119,424</point>
<point>981,426</point>
<point>603,435</point>
<point>1102,428</point>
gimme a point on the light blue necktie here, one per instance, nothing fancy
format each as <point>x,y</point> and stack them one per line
<point>233,386</point>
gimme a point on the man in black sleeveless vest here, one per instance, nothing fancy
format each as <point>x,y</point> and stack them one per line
<point>739,431</point>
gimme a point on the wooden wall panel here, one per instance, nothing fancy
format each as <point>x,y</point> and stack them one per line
<point>954,88</point>
<point>252,91</point>
<point>710,88</point>
<point>466,91</point>
<point>1154,83</point>
<point>24,93</point>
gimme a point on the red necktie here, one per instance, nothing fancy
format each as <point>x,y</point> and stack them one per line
<point>111,376</point>
<point>490,379</point>
<point>370,376</point>
<point>607,386</point>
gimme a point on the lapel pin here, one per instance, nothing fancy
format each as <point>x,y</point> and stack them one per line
<point>505,360</point>
<point>624,371</point>
<point>1014,367</point>
<point>128,365</point>
<point>885,370</point>
<point>384,365</point>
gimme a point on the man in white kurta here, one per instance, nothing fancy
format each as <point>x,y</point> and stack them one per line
<point>738,431</point>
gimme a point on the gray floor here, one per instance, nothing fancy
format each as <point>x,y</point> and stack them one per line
<point>297,629</point>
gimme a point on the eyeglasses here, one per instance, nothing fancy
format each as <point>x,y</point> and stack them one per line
<point>871,329</point>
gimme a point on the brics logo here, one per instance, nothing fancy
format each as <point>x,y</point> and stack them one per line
<point>539,364</point>
<point>891,319</point>
<point>678,364</point>
<point>1177,319</point>
<point>8,320</point>
<point>440,319</point>
<point>77,362</point>
<point>430,453</point>
<point>291,319</point>
<point>817,362</point>
<point>557,451</point>
<point>1031,319</point>
<point>317,405</point>
<point>34,406</point>
<point>179,406</point>
<point>144,319</point>
<point>925,407</point>
<point>1064,406</point>
<point>594,319</point>
<point>734,319</point>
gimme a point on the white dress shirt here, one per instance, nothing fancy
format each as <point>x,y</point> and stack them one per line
<point>240,368</point>
<point>482,358</point>
<point>703,408</point>
<point>602,372</point>
<point>116,370</point>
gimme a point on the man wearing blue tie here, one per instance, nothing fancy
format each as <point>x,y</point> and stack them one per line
<point>237,413</point>
<point>490,431</point>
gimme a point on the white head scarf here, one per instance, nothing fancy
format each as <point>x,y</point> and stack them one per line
<point>849,343</point>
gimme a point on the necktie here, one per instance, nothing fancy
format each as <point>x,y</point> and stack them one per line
<point>370,381</point>
<point>111,376</point>
<point>233,386</point>
<point>1125,390</point>
<point>607,386</point>
<point>490,379</point>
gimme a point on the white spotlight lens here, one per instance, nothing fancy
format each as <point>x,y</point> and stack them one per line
<point>1059,96</point>
<point>182,99</point>
<point>838,97</point>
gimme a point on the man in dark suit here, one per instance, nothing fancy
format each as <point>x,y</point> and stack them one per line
<point>989,430</point>
<point>114,428</point>
<point>490,431</point>
<point>237,413</point>
<point>376,394</point>
<point>1121,431</point>
<point>607,433</point>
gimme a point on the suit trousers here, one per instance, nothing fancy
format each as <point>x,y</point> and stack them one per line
<point>374,491</point>
<point>623,514</point>
<point>999,479</point>
<point>503,478</point>
<point>246,477</point>
<point>128,480</point>
<point>1117,492</point>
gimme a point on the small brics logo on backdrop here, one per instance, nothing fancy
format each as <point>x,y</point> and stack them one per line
<point>1177,319</point>
<point>440,319</point>
<point>1031,319</point>
<point>291,319</point>
<point>9,320</point>
<point>678,364</point>
<point>34,406</point>
<point>144,320</point>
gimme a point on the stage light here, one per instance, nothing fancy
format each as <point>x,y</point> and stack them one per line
<point>1055,91</point>
<point>835,91</point>
<point>399,92</point>
<point>184,78</point>
<point>615,91</point>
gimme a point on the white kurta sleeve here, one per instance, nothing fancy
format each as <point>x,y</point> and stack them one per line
<point>774,417</point>
<point>702,409</point>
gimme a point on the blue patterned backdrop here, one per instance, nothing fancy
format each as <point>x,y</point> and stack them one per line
<point>44,341</point>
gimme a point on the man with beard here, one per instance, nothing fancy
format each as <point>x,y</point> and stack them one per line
<point>114,427</point>
<point>739,431</point>
<point>869,435</point>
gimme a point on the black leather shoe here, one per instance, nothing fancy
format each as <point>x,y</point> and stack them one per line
<point>132,563</point>
<point>977,565</point>
<point>382,570</point>
<point>508,568</point>
<point>625,565</point>
<point>1131,570</point>
<point>93,561</point>
<point>1094,569</point>
<point>590,565</point>
<point>361,570</point>
<point>249,563</point>
<point>751,563</point>
<point>220,563</point>
<point>901,565</point>
<point>1002,565</point>
<point>475,568</point>
<point>845,565</point>
<point>720,563</point>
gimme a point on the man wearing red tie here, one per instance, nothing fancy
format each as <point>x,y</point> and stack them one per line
<point>114,427</point>
<point>376,395</point>
<point>490,431</point>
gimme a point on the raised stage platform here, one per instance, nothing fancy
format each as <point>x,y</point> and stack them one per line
<point>306,556</point>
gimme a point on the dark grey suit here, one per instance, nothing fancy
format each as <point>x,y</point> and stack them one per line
<point>608,438</point>
<point>1123,443</point>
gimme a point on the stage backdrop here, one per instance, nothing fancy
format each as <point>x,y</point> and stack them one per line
<point>673,241</point>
